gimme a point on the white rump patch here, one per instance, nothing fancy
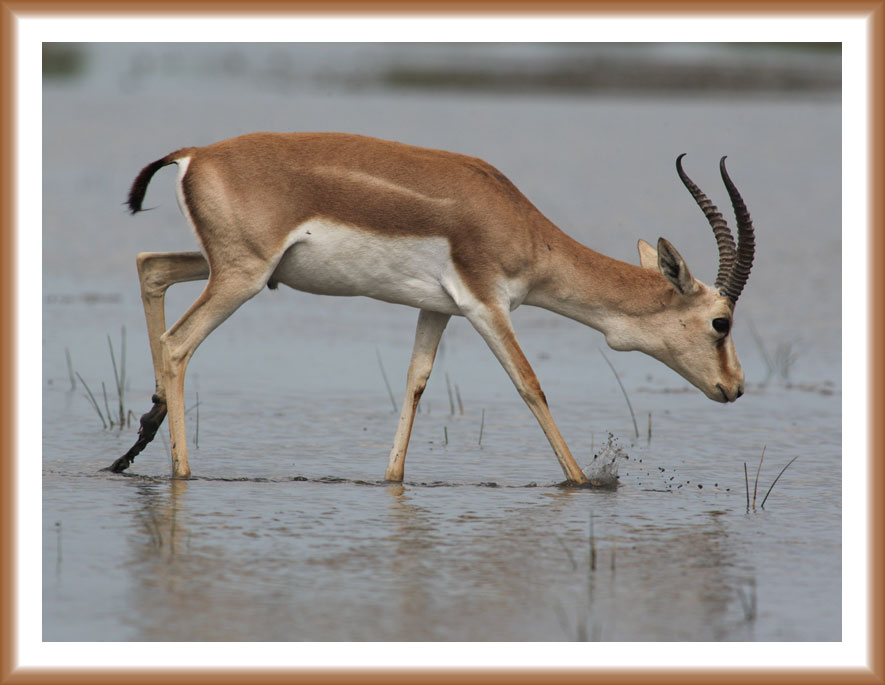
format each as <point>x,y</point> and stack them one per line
<point>183,163</point>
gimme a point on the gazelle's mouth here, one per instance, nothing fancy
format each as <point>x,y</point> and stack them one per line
<point>725,397</point>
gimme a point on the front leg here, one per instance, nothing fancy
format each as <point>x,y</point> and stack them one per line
<point>493,324</point>
<point>427,335</point>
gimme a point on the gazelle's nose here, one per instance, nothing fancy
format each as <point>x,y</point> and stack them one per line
<point>724,396</point>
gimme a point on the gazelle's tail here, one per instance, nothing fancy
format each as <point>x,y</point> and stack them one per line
<point>140,184</point>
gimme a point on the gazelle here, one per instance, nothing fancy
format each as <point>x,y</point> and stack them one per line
<point>339,214</point>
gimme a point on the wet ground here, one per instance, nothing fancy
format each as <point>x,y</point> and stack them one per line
<point>287,532</point>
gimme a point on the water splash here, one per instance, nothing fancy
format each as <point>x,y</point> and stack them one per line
<point>602,472</point>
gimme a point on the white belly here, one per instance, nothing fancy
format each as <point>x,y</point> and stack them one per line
<point>332,259</point>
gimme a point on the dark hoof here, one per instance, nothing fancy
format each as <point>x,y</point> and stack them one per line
<point>150,422</point>
<point>119,465</point>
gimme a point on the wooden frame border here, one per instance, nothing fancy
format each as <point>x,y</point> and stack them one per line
<point>874,10</point>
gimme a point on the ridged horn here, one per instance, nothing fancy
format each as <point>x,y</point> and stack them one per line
<point>746,239</point>
<point>724,239</point>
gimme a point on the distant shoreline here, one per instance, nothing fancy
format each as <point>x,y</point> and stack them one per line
<point>635,69</point>
<point>602,76</point>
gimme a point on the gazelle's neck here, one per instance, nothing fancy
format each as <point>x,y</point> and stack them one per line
<point>596,290</point>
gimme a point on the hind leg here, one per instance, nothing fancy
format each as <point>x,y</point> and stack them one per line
<point>221,298</point>
<point>156,272</point>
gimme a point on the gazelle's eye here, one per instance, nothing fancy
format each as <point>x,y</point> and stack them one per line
<point>721,325</point>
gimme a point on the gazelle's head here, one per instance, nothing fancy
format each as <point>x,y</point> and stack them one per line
<point>691,331</point>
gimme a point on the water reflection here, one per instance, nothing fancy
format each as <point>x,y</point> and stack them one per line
<point>322,560</point>
<point>413,561</point>
<point>161,533</point>
<point>671,584</point>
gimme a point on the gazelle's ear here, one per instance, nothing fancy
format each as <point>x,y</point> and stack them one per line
<point>673,267</point>
<point>648,256</point>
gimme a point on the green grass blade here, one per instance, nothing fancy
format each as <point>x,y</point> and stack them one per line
<point>92,399</point>
<point>623,390</point>
<point>776,479</point>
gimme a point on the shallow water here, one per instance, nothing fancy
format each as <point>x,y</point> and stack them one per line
<point>286,532</point>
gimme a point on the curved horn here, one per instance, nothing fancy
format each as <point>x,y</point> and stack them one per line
<point>746,239</point>
<point>724,239</point>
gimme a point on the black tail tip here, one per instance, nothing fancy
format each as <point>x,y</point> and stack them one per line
<point>139,186</point>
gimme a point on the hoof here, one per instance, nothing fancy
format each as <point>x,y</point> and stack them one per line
<point>150,422</point>
<point>119,465</point>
